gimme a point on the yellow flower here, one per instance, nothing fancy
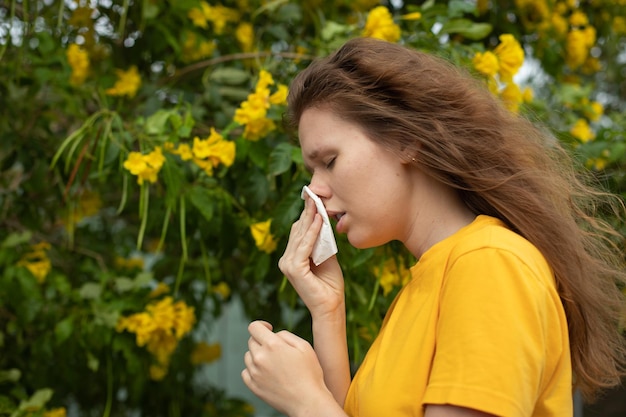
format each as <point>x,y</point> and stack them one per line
<point>130,263</point>
<point>576,49</point>
<point>159,290</point>
<point>218,15</point>
<point>222,289</point>
<point>158,372</point>
<point>512,96</point>
<point>412,16</point>
<point>559,24</point>
<point>245,36</point>
<point>197,17</point>
<point>619,25</point>
<point>185,152</point>
<point>380,25</point>
<point>263,239</point>
<point>578,19</point>
<point>280,96</point>
<point>195,48</point>
<point>265,80</point>
<point>593,111</point>
<point>184,319</point>
<point>212,151</point>
<point>55,412</point>
<point>486,63</point>
<point>205,353</point>
<point>145,167</point>
<point>158,329</point>
<point>89,203</point>
<point>141,324</point>
<point>391,275</point>
<point>510,56</point>
<point>597,164</point>
<point>252,112</point>
<point>135,163</point>
<point>591,65</point>
<point>582,131</point>
<point>127,84</point>
<point>258,129</point>
<point>527,95</point>
<point>155,158</point>
<point>37,261</point>
<point>78,59</point>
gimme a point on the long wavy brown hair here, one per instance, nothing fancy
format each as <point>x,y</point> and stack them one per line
<point>424,108</point>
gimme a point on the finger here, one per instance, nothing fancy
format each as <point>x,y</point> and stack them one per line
<point>310,236</point>
<point>306,217</point>
<point>292,340</point>
<point>265,323</point>
<point>260,332</point>
<point>295,260</point>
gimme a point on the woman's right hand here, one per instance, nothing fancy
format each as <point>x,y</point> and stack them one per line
<point>321,287</point>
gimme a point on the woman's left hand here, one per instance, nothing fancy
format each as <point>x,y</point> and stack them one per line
<point>282,369</point>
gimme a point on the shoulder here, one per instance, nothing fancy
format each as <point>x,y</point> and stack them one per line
<point>488,250</point>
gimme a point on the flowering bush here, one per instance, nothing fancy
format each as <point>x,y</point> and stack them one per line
<point>146,180</point>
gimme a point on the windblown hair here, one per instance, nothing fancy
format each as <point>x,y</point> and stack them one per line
<point>423,107</point>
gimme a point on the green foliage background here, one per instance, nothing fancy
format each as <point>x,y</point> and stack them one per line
<point>62,179</point>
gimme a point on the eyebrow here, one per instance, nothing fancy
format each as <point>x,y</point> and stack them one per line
<point>311,157</point>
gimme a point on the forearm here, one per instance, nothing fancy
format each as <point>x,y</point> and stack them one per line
<point>330,344</point>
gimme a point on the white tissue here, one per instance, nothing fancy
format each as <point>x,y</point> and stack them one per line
<point>325,245</point>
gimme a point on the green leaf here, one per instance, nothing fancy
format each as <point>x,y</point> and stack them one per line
<point>286,212</point>
<point>229,76</point>
<point>256,189</point>
<point>17,238</point>
<point>262,266</point>
<point>10,375</point>
<point>467,28</point>
<point>93,362</point>
<point>203,201</point>
<point>173,177</point>
<point>280,159</point>
<point>331,30</point>
<point>155,124</point>
<point>90,291</point>
<point>38,399</point>
<point>124,284</point>
<point>457,8</point>
<point>63,329</point>
<point>143,278</point>
<point>150,10</point>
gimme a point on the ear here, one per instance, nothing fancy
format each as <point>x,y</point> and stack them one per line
<point>407,159</point>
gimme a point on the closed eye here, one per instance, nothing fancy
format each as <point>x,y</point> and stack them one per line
<point>330,163</point>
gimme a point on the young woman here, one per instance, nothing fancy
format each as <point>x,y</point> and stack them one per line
<point>514,300</point>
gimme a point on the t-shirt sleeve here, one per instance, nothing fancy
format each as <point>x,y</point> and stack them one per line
<point>491,335</point>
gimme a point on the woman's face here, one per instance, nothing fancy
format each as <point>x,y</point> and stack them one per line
<point>365,187</point>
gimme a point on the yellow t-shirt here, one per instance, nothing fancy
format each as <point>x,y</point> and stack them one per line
<point>480,325</point>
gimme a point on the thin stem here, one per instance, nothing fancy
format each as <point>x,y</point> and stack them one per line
<point>122,26</point>
<point>183,231</point>
<point>60,17</point>
<point>109,403</point>
<point>11,19</point>
<point>143,204</point>
<point>166,221</point>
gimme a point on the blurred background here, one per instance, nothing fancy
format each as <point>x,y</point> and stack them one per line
<point>147,186</point>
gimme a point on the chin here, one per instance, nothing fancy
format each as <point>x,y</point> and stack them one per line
<point>363,242</point>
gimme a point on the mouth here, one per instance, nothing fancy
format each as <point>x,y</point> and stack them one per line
<point>335,216</point>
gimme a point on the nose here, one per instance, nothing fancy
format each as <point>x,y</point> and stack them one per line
<point>320,187</point>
